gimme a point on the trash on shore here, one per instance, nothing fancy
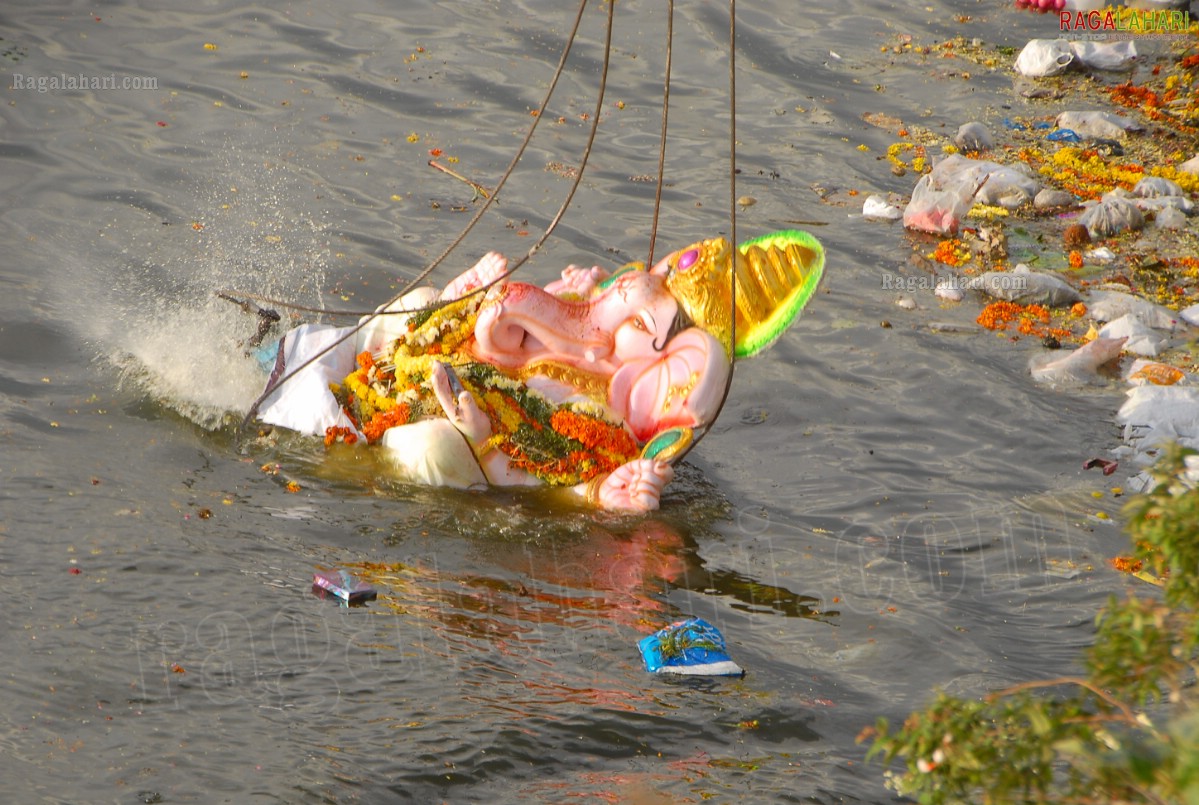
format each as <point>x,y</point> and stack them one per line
<point>1080,365</point>
<point>1105,306</point>
<point>1026,287</point>
<point>691,646</point>
<point>1041,58</point>
<point>1112,216</point>
<point>876,206</point>
<point>1139,337</point>
<point>973,136</point>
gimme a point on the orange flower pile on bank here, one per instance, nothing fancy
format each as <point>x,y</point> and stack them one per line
<point>1027,319</point>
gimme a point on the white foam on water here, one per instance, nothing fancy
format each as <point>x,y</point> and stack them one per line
<point>155,315</point>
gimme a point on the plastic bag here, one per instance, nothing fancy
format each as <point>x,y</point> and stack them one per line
<point>1049,199</point>
<point>938,207</point>
<point>1079,365</point>
<point>1097,124</point>
<point>1044,57</point>
<point>1112,216</point>
<point>1142,339</point>
<point>1155,414</point>
<point>1105,55</point>
<point>1154,186</point>
<point>876,206</point>
<point>1111,305</point>
<point>998,184</point>
<point>973,136</point>
<point>1026,287</point>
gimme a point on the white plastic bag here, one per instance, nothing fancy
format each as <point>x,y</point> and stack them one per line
<point>1111,305</point>
<point>1142,339</point>
<point>1154,186</point>
<point>1112,216</point>
<point>1105,55</point>
<point>1026,287</point>
<point>973,136</point>
<point>1044,57</point>
<point>1104,125</point>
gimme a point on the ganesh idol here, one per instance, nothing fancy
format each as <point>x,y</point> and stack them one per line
<point>596,383</point>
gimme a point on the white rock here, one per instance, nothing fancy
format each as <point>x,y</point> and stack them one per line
<point>1110,305</point>
<point>1105,55</point>
<point>1190,315</point>
<point>1191,166</point>
<point>877,207</point>
<point>1142,339</point>
<point>1076,365</point>
<point>1097,124</point>
<point>906,302</point>
<point>1101,255</point>
<point>1044,57</point>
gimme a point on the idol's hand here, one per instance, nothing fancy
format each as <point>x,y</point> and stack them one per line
<point>462,411</point>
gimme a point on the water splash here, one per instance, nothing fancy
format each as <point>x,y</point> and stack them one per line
<point>159,320</point>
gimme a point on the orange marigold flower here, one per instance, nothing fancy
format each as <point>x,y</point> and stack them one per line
<point>1079,309</point>
<point>1126,564</point>
<point>365,360</point>
<point>1076,259</point>
<point>383,420</point>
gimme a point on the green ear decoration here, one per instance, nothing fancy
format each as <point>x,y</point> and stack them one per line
<point>776,276</point>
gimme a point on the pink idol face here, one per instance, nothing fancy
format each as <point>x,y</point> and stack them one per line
<point>639,312</point>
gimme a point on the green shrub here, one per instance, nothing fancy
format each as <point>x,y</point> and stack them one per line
<point>1126,733</point>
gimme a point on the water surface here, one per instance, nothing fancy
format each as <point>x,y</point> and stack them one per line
<point>879,511</point>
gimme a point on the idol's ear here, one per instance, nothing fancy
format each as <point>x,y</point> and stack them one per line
<point>776,276</point>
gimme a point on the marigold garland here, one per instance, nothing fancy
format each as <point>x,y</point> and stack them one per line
<point>561,444</point>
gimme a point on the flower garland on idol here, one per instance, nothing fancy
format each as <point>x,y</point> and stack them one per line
<point>562,444</point>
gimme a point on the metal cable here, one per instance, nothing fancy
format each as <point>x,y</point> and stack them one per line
<point>370,316</point>
<point>653,230</point>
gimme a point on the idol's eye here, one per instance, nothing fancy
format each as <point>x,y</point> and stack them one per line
<point>645,322</point>
<point>687,259</point>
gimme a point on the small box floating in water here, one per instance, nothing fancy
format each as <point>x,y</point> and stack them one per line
<point>691,646</point>
<point>341,584</point>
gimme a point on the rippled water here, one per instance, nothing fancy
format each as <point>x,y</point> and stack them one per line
<point>878,512</point>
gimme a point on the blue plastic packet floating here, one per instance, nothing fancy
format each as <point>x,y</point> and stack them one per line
<point>693,646</point>
<point>1064,136</point>
<point>341,584</point>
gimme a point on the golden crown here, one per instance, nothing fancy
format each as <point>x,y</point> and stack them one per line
<point>767,281</point>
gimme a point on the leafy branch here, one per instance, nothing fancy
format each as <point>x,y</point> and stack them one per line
<point>1127,732</point>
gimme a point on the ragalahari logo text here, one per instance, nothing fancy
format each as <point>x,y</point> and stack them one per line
<point>1110,21</point>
